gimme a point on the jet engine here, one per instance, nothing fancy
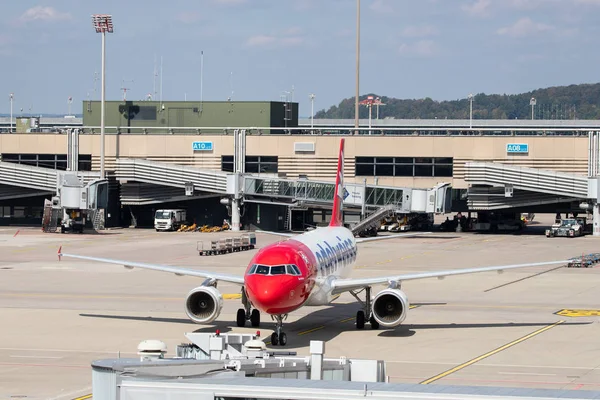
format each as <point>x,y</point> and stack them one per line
<point>390,307</point>
<point>203,304</point>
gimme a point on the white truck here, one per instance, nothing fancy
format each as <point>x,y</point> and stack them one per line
<point>169,220</point>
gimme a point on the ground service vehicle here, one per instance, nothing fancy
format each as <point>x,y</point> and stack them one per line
<point>169,220</point>
<point>309,269</point>
<point>72,221</point>
<point>570,227</point>
<point>227,245</point>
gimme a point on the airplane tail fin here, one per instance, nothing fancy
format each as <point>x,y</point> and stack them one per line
<point>337,218</point>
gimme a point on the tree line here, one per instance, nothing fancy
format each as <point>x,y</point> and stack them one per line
<point>559,102</point>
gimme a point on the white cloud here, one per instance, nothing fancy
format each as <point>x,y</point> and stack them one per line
<point>231,2</point>
<point>524,27</point>
<point>5,42</point>
<point>188,17</point>
<point>588,2</point>
<point>382,6</point>
<point>419,31</point>
<point>422,48</point>
<point>273,41</point>
<point>293,31</point>
<point>480,8</point>
<point>40,13</point>
<point>261,40</point>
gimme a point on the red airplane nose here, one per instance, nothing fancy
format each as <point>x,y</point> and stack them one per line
<point>275,294</point>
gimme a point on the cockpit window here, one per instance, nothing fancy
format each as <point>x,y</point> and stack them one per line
<point>262,270</point>
<point>292,269</point>
<point>288,269</point>
<point>278,270</point>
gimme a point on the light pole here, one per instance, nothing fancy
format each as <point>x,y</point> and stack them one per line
<point>378,103</point>
<point>312,111</point>
<point>357,65</point>
<point>532,103</point>
<point>471,111</point>
<point>12,95</point>
<point>69,102</point>
<point>102,23</point>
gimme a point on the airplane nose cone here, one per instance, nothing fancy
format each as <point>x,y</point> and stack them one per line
<point>274,295</point>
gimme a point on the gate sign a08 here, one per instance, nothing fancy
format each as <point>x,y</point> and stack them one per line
<point>517,148</point>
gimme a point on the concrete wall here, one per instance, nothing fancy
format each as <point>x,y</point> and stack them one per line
<point>568,154</point>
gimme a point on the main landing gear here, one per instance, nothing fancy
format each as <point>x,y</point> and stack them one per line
<point>246,313</point>
<point>279,337</point>
<point>367,310</point>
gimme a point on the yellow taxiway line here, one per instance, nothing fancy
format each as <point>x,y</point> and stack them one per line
<point>87,396</point>
<point>491,353</point>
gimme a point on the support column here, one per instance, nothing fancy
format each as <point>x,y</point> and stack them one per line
<point>235,214</point>
<point>596,226</point>
<point>317,350</point>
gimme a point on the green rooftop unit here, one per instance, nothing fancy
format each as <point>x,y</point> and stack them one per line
<point>171,115</point>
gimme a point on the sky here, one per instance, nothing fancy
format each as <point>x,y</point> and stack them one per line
<point>260,50</point>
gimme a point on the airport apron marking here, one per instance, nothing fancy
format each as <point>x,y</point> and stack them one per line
<point>491,353</point>
<point>578,313</point>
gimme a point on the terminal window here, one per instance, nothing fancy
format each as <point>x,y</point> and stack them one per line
<point>52,161</point>
<point>404,166</point>
<point>254,164</point>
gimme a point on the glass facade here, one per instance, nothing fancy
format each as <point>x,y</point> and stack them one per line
<point>254,164</point>
<point>52,161</point>
<point>404,166</point>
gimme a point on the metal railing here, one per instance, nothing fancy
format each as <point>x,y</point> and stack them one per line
<point>343,130</point>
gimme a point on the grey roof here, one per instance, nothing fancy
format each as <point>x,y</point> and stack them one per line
<point>403,388</point>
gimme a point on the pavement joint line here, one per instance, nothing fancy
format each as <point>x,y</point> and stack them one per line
<point>524,278</point>
<point>490,353</point>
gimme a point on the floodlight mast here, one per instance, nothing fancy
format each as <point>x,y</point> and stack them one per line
<point>103,24</point>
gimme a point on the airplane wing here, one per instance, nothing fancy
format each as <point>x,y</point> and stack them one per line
<point>163,268</point>
<point>343,285</point>
<point>371,239</point>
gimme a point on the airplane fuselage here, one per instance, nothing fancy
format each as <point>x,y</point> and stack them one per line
<point>287,275</point>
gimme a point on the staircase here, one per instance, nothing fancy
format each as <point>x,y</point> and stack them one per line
<point>287,222</point>
<point>374,219</point>
<point>97,217</point>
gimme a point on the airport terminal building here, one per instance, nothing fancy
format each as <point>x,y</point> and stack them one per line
<point>180,154</point>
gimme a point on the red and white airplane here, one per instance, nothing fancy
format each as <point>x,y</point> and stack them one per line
<point>310,269</point>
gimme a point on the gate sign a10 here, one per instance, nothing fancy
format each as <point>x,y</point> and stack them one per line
<point>202,146</point>
<point>517,148</point>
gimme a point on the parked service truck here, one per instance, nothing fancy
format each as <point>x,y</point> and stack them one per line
<point>169,220</point>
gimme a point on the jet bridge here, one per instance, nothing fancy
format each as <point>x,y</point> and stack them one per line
<point>146,182</point>
<point>495,186</point>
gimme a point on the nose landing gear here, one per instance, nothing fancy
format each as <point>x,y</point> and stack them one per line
<point>279,337</point>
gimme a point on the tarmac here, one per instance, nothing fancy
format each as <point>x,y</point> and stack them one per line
<point>534,327</point>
